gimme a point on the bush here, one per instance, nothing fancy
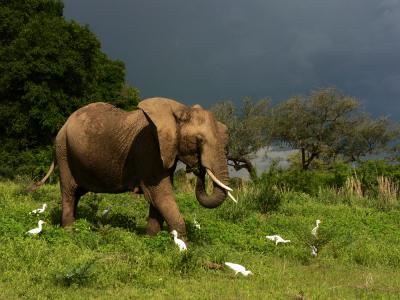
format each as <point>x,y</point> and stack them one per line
<point>336,176</point>
<point>369,171</point>
<point>34,163</point>
<point>80,274</point>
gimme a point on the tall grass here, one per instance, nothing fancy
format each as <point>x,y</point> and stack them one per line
<point>388,191</point>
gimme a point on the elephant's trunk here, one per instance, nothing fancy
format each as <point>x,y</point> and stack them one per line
<point>218,194</point>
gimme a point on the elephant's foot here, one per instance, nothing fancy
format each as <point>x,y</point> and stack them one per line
<point>153,227</point>
<point>69,228</point>
<point>67,222</point>
<point>154,222</point>
<point>67,216</point>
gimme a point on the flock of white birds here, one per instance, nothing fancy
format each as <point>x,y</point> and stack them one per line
<point>38,229</point>
<point>181,244</point>
<point>239,268</point>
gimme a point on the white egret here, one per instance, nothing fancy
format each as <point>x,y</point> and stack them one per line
<point>196,224</point>
<point>314,250</point>
<point>181,244</point>
<point>238,269</point>
<point>37,230</point>
<point>39,210</point>
<point>314,230</point>
<point>277,239</point>
<point>105,212</point>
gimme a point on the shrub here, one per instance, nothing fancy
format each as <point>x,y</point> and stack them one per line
<point>360,180</point>
<point>34,163</point>
<point>80,274</point>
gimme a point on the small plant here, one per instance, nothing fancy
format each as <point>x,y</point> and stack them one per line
<point>79,275</point>
<point>161,242</point>
<point>353,186</point>
<point>185,262</point>
<point>263,196</point>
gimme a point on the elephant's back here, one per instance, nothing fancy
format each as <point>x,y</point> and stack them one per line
<point>97,141</point>
<point>94,115</point>
<point>95,121</point>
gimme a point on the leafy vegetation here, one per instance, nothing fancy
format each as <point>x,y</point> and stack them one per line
<point>327,127</point>
<point>248,130</point>
<point>49,67</point>
<point>111,257</point>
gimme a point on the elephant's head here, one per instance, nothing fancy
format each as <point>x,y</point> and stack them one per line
<point>192,135</point>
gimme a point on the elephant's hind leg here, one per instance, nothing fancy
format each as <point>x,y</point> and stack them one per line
<point>70,193</point>
<point>70,198</point>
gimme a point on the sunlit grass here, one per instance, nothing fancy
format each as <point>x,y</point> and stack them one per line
<point>112,258</point>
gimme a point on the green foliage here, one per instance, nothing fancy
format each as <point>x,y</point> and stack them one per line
<point>128,98</point>
<point>49,67</point>
<point>368,171</point>
<point>185,263</point>
<point>78,275</point>
<point>335,177</point>
<point>33,163</point>
<point>247,130</point>
<point>263,196</point>
<point>328,125</point>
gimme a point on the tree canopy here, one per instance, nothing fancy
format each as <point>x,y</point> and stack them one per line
<point>328,124</point>
<point>248,130</point>
<point>48,68</point>
<point>325,124</point>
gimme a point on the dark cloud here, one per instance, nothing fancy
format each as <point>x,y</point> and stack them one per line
<point>202,51</point>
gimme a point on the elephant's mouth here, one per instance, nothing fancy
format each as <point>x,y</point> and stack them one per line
<point>196,169</point>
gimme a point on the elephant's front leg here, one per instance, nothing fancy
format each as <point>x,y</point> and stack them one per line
<point>155,221</point>
<point>162,199</point>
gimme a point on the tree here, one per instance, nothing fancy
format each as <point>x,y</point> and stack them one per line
<point>247,130</point>
<point>328,124</point>
<point>48,68</point>
<point>365,136</point>
<point>128,98</point>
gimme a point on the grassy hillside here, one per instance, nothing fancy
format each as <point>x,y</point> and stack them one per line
<point>112,258</point>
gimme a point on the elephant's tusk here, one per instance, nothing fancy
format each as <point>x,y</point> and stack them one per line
<point>215,179</point>
<point>231,196</point>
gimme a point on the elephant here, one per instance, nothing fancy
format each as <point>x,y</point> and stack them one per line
<point>104,149</point>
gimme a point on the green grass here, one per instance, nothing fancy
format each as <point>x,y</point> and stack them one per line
<point>112,258</point>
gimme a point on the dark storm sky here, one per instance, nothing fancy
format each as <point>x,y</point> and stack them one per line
<point>202,51</point>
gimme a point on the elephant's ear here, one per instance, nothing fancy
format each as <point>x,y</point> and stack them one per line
<point>162,113</point>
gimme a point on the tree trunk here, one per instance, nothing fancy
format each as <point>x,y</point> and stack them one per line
<point>244,163</point>
<point>303,159</point>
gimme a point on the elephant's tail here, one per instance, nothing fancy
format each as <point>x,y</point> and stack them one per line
<point>34,186</point>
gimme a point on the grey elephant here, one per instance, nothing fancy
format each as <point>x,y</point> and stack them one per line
<point>104,149</point>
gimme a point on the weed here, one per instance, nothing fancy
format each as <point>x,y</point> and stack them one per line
<point>185,262</point>
<point>160,242</point>
<point>79,274</point>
